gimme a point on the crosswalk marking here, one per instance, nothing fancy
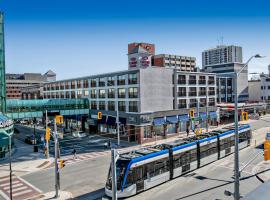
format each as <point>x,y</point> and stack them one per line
<point>13,186</point>
<point>5,184</point>
<point>17,189</point>
<point>22,192</point>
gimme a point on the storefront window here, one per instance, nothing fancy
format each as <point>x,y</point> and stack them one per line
<point>147,132</point>
<point>102,105</point>
<point>159,130</point>
<point>171,128</point>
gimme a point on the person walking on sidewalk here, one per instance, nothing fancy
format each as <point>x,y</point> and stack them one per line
<point>187,131</point>
<point>74,153</point>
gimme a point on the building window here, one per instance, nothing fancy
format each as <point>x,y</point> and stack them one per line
<point>211,91</point>
<point>133,106</point>
<point>62,85</point>
<point>147,132</point>
<point>73,94</point>
<point>132,79</point>
<point>211,102</point>
<point>73,83</point>
<point>133,92</point>
<point>93,83</point>
<point>121,93</point>
<point>181,79</point>
<point>93,105</point>
<point>79,94</point>
<point>67,85</point>
<point>85,84</point>
<point>93,93</point>
<point>102,93</point>
<point>192,91</point>
<point>85,92</point>
<point>121,80</point>
<point>268,87</point>
<point>182,103</point>
<point>122,106</point>
<point>202,102</point>
<point>79,84</point>
<point>193,103</point>
<point>102,105</point>
<point>211,80</point>
<point>101,82</point>
<point>192,80</point>
<point>67,95</point>
<point>111,93</point>
<point>182,92</point>
<point>111,105</point>
<point>111,81</point>
<point>202,91</point>
<point>261,87</point>
<point>202,80</point>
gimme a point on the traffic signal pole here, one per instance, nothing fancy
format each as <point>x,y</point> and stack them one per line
<point>55,160</point>
<point>47,141</point>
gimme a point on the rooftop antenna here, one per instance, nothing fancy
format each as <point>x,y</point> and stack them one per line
<point>218,41</point>
<point>222,40</point>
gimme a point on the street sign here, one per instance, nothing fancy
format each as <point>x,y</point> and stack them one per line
<point>59,119</point>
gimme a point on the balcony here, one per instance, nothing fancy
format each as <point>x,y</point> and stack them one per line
<point>211,93</point>
<point>210,82</point>
<point>192,105</point>
<point>202,93</point>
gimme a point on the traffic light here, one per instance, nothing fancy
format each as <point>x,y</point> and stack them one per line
<point>48,134</point>
<point>267,150</point>
<point>244,116</point>
<point>59,119</point>
<point>191,113</point>
<point>62,164</point>
<point>99,115</point>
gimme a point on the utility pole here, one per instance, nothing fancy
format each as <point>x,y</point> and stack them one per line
<point>114,176</point>
<point>55,160</point>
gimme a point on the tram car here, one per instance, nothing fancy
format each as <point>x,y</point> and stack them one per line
<point>148,167</point>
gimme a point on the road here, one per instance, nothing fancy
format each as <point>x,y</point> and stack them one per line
<point>86,179</point>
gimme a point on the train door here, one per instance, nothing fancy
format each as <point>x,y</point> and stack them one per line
<point>139,179</point>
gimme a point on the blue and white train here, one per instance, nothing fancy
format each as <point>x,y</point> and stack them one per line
<point>147,167</point>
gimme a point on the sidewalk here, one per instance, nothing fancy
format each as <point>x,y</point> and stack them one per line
<point>24,160</point>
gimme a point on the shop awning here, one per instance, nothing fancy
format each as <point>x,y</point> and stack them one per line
<point>172,119</point>
<point>213,115</point>
<point>183,118</point>
<point>111,120</point>
<point>203,116</point>
<point>159,121</point>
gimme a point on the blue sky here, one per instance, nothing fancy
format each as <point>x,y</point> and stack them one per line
<point>83,37</point>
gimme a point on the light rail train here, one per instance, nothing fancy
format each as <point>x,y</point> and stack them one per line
<point>150,166</point>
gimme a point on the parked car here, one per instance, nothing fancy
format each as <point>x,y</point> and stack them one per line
<point>79,134</point>
<point>29,139</point>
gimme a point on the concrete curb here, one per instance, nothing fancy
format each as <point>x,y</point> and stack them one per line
<point>63,195</point>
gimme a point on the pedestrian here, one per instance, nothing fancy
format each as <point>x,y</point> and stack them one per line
<point>217,123</point>
<point>187,132</point>
<point>74,153</point>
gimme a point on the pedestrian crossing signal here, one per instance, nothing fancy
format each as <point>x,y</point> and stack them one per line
<point>59,119</point>
<point>99,115</point>
<point>62,164</point>
<point>191,113</point>
<point>244,116</point>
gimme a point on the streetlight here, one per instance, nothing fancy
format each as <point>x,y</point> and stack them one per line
<point>236,149</point>
<point>10,169</point>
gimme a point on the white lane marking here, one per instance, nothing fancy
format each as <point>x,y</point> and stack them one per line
<point>4,195</point>
<point>30,185</point>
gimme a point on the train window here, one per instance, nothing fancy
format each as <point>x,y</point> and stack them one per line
<point>161,166</point>
<point>149,170</point>
<point>193,155</point>
<point>176,161</point>
<point>232,142</point>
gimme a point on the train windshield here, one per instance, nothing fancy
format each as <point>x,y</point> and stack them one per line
<point>121,166</point>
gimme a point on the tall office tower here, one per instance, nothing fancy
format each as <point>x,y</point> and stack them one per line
<point>224,61</point>
<point>2,66</point>
<point>221,55</point>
